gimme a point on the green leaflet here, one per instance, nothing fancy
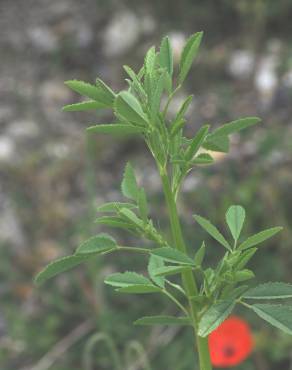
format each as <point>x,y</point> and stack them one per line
<point>172,255</point>
<point>113,221</point>
<point>244,258</point>
<point>243,275</point>
<point>107,92</point>
<point>139,289</point>
<point>96,93</point>
<point>259,237</point>
<point>163,320</point>
<point>83,106</point>
<point>212,230</point>
<point>166,56</point>
<point>58,266</point>
<point>234,126</point>
<point>196,142</point>
<point>217,144</point>
<point>155,263</point>
<point>150,60</point>
<point>279,316</point>
<point>214,316</point>
<point>157,93</point>
<point>170,270</point>
<point>115,129</point>
<point>143,205</point>
<point>126,279</point>
<point>200,254</point>
<point>113,207</point>
<point>129,184</point>
<point>129,109</point>
<point>235,217</point>
<point>136,84</point>
<point>203,158</point>
<point>131,217</point>
<point>270,291</point>
<point>97,244</point>
<point>188,55</point>
<point>184,107</point>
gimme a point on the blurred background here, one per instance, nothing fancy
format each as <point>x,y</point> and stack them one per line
<point>53,175</point>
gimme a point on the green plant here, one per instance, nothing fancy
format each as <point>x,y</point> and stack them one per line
<point>206,296</point>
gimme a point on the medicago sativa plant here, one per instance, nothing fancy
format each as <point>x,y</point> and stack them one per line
<point>206,295</point>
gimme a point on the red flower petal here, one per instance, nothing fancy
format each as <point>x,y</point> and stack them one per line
<point>231,343</point>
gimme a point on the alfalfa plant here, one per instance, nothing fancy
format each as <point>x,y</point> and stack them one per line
<point>206,296</point>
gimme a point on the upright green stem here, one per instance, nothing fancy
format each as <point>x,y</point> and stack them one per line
<point>188,279</point>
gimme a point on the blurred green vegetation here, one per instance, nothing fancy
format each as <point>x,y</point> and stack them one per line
<point>53,190</point>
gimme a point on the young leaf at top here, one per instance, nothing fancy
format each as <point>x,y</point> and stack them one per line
<point>163,320</point>
<point>97,244</point>
<point>126,279</point>
<point>235,217</point>
<point>154,264</point>
<point>259,237</point>
<point>214,316</point>
<point>129,184</point>
<point>172,255</point>
<point>234,126</point>
<point>128,108</point>
<point>188,55</point>
<point>115,129</point>
<point>279,316</point>
<point>58,266</point>
<point>212,230</point>
<point>166,55</point>
<point>270,291</point>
